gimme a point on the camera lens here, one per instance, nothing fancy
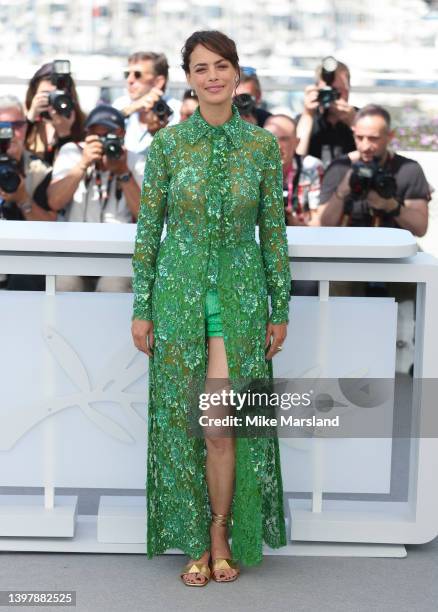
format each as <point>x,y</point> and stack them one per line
<point>9,178</point>
<point>112,146</point>
<point>61,102</point>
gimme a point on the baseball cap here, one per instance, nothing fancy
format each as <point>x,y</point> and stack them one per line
<point>106,115</point>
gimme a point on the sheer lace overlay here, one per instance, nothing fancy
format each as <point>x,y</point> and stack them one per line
<point>216,184</point>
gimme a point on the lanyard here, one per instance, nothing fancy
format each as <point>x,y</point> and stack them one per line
<point>104,195</point>
<point>292,179</point>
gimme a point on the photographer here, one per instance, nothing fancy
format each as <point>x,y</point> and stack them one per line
<point>146,79</point>
<point>189,104</point>
<point>246,106</point>
<point>54,115</point>
<point>324,127</point>
<point>249,84</point>
<point>373,186</point>
<point>24,179</point>
<point>97,181</point>
<point>301,176</point>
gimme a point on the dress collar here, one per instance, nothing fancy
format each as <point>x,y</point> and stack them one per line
<point>197,126</point>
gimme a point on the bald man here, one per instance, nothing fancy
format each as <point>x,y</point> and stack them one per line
<point>302,177</point>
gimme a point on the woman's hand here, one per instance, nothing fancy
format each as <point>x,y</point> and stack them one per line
<point>278,332</point>
<point>143,336</point>
<point>40,104</point>
<point>62,124</point>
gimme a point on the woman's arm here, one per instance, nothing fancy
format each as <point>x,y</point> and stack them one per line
<point>273,237</point>
<point>150,223</point>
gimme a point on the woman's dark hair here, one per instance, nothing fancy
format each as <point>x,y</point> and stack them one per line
<point>43,74</point>
<point>215,41</point>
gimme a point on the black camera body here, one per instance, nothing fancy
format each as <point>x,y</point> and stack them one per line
<point>246,104</point>
<point>367,176</point>
<point>328,94</point>
<point>162,109</point>
<point>112,146</point>
<point>60,99</point>
<point>9,175</point>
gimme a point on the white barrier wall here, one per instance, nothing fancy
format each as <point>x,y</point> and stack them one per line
<point>73,411</point>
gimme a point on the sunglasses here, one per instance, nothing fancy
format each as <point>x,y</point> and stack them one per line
<point>137,73</point>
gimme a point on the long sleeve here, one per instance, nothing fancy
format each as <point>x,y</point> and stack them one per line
<point>273,237</point>
<point>149,228</point>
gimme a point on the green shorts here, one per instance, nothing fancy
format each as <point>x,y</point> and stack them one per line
<point>213,322</point>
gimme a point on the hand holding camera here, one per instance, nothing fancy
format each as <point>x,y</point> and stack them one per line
<point>116,159</point>
<point>62,124</point>
<point>344,111</point>
<point>311,101</point>
<point>40,105</point>
<point>145,103</point>
<point>92,151</point>
<point>108,148</point>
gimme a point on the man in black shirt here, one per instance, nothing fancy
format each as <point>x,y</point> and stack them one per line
<point>326,133</point>
<point>407,208</point>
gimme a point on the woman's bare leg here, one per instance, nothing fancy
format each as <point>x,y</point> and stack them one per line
<point>220,463</point>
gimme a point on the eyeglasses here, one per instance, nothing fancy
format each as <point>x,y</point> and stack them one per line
<point>137,73</point>
<point>248,70</point>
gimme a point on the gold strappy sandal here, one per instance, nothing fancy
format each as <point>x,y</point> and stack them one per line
<point>221,563</point>
<point>196,568</point>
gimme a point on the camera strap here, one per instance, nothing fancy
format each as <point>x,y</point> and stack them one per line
<point>293,180</point>
<point>103,197</point>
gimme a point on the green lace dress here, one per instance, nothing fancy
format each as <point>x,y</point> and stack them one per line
<point>216,183</point>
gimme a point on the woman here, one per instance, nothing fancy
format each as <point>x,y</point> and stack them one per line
<point>201,310</point>
<point>47,130</point>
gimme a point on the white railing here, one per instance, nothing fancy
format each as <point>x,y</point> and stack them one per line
<point>74,389</point>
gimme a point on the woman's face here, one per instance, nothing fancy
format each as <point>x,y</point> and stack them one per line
<point>60,122</point>
<point>211,76</point>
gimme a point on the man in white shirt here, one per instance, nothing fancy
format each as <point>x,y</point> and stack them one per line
<point>97,181</point>
<point>146,79</point>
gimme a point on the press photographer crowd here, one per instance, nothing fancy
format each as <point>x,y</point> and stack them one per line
<point>57,164</point>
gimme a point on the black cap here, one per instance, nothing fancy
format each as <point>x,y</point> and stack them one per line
<point>106,115</point>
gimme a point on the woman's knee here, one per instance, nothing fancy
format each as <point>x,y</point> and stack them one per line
<point>219,443</point>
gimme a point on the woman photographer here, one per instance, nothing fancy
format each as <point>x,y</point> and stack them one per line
<point>47,129</point>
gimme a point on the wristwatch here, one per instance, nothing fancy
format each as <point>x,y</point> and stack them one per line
<point>395,211</point>
<point>25,206</point>
<point>124,178</point>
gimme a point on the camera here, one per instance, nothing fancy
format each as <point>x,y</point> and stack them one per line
<point>245,103</point>
<point>328,94</point>
<point>162,109</point>
<point>371,176</point>
<point>112,146</point>
<point>9,175</point>
<point>60,99</point>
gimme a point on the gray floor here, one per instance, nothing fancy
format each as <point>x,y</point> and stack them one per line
<point>280,584</point>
